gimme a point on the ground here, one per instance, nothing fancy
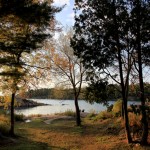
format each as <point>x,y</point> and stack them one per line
<point>61,133</point>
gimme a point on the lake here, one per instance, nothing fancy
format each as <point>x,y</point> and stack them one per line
<point>58,106</point>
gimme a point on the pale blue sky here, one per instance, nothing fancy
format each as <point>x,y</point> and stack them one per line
<point>66,16</point>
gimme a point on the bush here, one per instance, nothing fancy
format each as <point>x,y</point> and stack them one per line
<point>109,108</point>
<point>117,108</point>
<point>19,117</point>
<point>134,119</point>
<point>35,115</point>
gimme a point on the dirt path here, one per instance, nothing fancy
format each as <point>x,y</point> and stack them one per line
<point>49,121</point>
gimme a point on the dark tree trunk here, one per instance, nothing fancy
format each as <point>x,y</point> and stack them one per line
<point>123,88</point>
<point>11,132</point>
<point>122,110</point>
<point>125,111</point>
<point>78,119</point>
<point>1,136</point>
<point>142,97</point>
<point>126,120</point>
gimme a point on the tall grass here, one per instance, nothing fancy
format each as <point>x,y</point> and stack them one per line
<point>68,112</point>
<point>100,116</point>
<point>117,108</point>
<point>4,124</point>
<point>104,115</point>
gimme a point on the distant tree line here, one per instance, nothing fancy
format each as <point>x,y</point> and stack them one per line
<point>52,93</point>
<point>61,93</point>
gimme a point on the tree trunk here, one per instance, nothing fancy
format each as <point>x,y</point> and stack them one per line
<point>78,119</point>
<point>142,97</point>
<point>126,122</point>
<point>11,132</point>
<point>125,111</point>
<point>123,89</point>
<point>124,93</point>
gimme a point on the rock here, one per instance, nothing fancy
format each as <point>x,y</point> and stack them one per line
<point>28,120</point>
<point>27,103</point>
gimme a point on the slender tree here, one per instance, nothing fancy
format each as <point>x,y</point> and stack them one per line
<point>67,68</point>
<point>140,29</point>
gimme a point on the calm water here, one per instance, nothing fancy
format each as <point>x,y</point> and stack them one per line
<point>57,106</point>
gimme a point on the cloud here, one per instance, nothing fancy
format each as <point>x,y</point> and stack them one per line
<point>61,2</point>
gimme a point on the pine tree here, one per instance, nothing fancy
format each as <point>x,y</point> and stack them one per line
<point>24,25</point>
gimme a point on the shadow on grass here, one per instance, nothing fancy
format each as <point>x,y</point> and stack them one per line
<point>21,143</point>
<point>123,146</point>
<point>69,126</point>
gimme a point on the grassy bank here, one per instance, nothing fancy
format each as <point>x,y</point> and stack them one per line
<point>62,134</point>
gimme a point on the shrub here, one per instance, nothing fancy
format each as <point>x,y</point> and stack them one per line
<point>135,125</point>
<point>134,119</point>
<point>109,108</point>
<point>117,107</point>
<point>35,115</point>
<point>19,117</point>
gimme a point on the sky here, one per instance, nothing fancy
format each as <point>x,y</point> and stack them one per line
<point>66,16</point>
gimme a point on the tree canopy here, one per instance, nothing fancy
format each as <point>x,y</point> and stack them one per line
<point>25,24</point>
